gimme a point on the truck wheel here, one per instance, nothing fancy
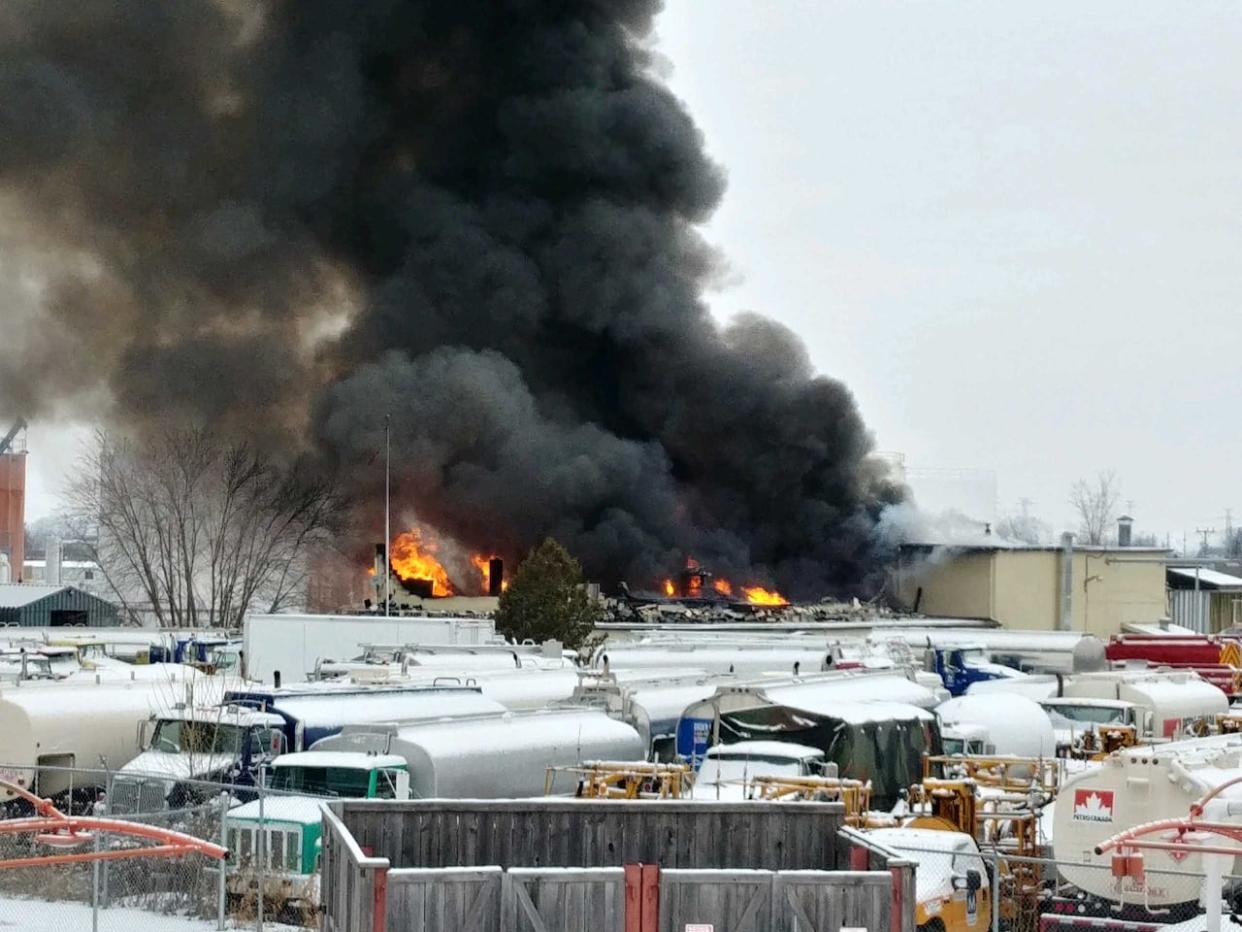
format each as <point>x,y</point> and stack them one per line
<point>932,925</point>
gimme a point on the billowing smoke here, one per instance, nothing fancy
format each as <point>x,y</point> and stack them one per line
<point>292,218</point>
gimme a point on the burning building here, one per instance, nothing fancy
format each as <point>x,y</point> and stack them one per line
<point>480,221</point>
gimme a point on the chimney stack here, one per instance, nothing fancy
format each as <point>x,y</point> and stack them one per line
<point>1124,525</point>
<point>495,576</point>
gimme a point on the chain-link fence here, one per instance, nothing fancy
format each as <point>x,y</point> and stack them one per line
<point>272,839</point>
<point>962,888</point>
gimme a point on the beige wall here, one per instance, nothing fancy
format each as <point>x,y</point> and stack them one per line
<point>1125,592</point>
<point>1027,589</point>
<point>1021,588</point>
<point>954,584</point>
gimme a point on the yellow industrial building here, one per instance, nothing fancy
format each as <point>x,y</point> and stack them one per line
<point>1091,589</point>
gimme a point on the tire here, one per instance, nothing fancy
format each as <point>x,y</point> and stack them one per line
<point>932,925</point>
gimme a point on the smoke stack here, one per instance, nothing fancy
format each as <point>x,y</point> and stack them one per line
<point>1124,525</point>
<point>495,576</point>
<point>52,563</point>
<point>381,563</point>
<point>5,571</point>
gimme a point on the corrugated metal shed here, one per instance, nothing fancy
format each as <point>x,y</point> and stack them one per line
<point>1182,577</point>
<point>53,606</point>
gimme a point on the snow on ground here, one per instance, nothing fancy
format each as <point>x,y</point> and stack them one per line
<point>42,916</point>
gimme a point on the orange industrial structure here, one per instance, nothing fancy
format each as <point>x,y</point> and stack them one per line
<point>13,499</point>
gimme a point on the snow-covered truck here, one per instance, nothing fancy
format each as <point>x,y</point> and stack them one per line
<point>487,756</point>
<point>229,742</point>
<point>285,830</point>
<point>45,729</point>
<point>1166,704</point>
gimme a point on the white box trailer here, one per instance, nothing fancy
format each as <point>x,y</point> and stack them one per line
<point>292,644</point>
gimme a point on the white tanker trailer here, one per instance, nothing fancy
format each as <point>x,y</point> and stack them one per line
<point>492,756</point>
<point>1138,785</point>
<point>716,656</point>
<point>88,725</point>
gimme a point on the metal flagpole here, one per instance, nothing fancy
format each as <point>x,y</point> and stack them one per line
<point>387,527</point>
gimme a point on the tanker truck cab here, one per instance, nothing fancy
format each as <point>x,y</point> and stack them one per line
<point>965,739</point>
<point>951,882</point>
<point>292,824</point>
<point>960,667</point>
<point>1074,717</point>
<point>224,744</point>
<point>728,769</point>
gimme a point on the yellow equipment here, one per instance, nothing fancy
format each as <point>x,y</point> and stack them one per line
<point>626,780</point>
<point>854,795</point>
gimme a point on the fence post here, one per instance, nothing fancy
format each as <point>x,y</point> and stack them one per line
<point>897,921</point>
<point>996,904</point>
<point>860,858</point>
<point>633,898</point>
<point>650,908</point>
<point>379,900</point>
<point>104,810</point>
<point>95,888</point>
<point>261,846</point>
<point>221,898</point>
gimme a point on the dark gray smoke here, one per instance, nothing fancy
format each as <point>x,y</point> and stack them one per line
<point>290,218</point>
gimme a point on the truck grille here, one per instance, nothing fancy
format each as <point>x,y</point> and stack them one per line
<point>132,795</point>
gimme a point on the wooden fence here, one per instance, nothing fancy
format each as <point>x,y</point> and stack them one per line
<point>352,884</point>
<point>603,833</point>
<point>363,840</point>
<point>595,900</point>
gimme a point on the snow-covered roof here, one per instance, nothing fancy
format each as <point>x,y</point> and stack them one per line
<point>785,749</point>
<point>1085,702</point>
<point>1212,578</point>
<point>19,595</point>
<point>923,839</point>
<point>392,706</point>
<point>823,696</point>
<point>224,715</point>
<point>302,810</point>
<point>351,760</point>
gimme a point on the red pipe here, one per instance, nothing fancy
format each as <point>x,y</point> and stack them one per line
<point>74,824</point>
<point>115,854</point>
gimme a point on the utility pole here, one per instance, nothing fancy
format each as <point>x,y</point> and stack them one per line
<point>1228,532</point>
<point>1204,532</point>
<point>387,513</point>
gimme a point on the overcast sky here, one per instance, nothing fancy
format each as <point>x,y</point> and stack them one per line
<point>1012,232</point>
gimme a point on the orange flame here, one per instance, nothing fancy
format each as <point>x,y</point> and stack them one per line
<point>413,558</point>
<point>484,566</point>
<point>756,595</point>
<point>669,589</point>
<point>723,586</point>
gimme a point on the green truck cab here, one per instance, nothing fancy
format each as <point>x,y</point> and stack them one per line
<point>288,836</point>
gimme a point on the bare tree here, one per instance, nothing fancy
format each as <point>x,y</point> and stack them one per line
<point>1096,505</point>
<point>1024,528</point>
<point>196,530</point>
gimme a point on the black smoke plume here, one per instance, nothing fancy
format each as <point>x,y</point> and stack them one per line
<point>290,218</point>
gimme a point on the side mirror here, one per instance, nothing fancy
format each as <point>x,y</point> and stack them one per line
<point>143,735</point>
<point>403,785</point>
